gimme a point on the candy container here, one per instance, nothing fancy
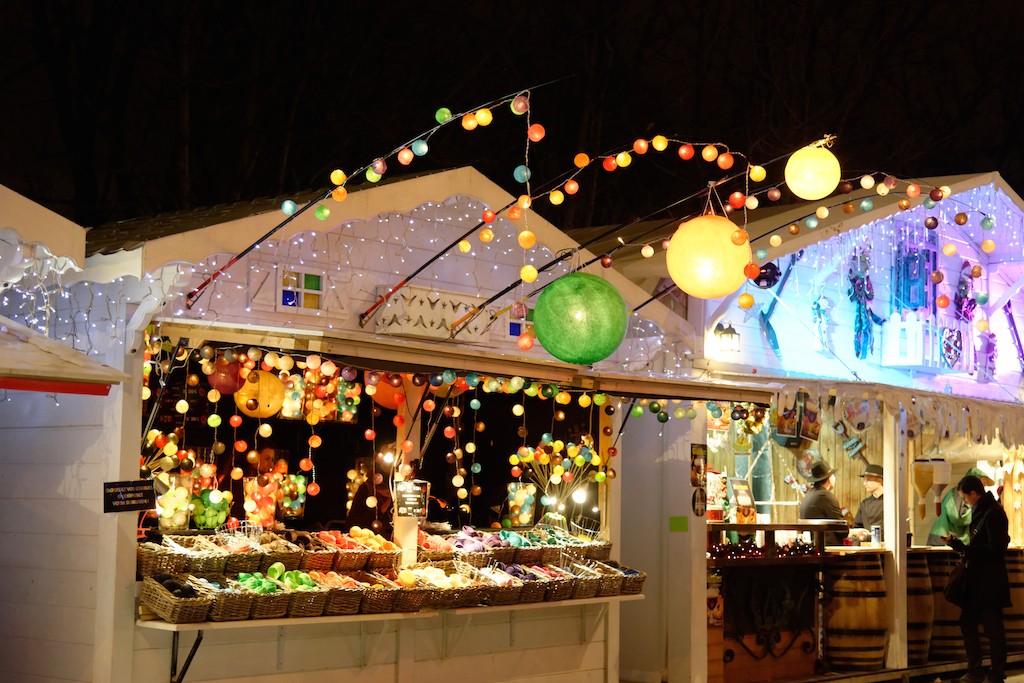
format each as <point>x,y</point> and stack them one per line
<point>293,497</point>
<point>173,501</point>
<point>210,506</point>
<point>260,500</point>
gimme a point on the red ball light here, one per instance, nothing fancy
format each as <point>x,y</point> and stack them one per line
<point>571,187</point>
<point>737,199</point>
<point>515,213</point>
<point>398,421</point>
<point>606,261</point>
<point>429,405</point>
<point>525,342</point>
<point>685,152</point>
<point>725,162</point>
<point>942,301</point>
<point>313,488</point>
<point>241,446</point>
<point>535,132</point>
<point>612,451</point>
<point>370,435</point>
<point>306,464</point>
<point>609,164</point>
<point>160,441</point>
<point>640,146</point>
<point>488,216</point>
<point>751,270</point>
<point>515,472</point>
<point>936,195</point>
<point>449,432</point>
<point>235,421</point>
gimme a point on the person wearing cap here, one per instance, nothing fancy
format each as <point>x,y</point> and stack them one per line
<point>871,511</point>
<point>987,581</point>
<point>955,518</point>
<point>820,503</point>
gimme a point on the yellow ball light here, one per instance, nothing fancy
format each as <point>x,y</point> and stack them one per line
<point>484,116</point>
<point>988,246</point>
<point>746,300</point>
<point>623,159</point>
<point>465,246</point>
<point>526,239</point>
<point>757,173</point>
<point>584,400</point>
<point>659,143</point>
<point>882,190</point>
<point>812,173</point>
<point>946,191</point>
<point>146,393</point>
<point>981,324</point>
<point>775,241</point>
<point>524,201</point>
<point>486,235</point>
<point>949,249</point>
<point>528,273</point>
<point>265,430</point>
<point>703,260</point>
<point>338,177</point>
<point>556,197</point>
<point>181,406</point>
<point>821,212</point>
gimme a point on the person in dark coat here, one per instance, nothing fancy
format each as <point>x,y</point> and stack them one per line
<point>820,503</point>
<point>988,585</point>
<point>871,510</point>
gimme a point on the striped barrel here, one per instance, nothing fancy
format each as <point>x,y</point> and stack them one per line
<point>1014,616</point>
<point>920,607</point>
<point>857,615</point>
<point>947,643</point>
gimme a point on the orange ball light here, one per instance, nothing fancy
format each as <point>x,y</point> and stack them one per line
<point>949,249</point>
<point>988,246</point>
<point>746,300</point>
<point>709,153</point>
<point>469,122</point>
<point>486,235</point>
<point>942,301</point>
<point>640,146</point>
<point>306,464</point>
<point>339,194</point>
<point>515,213</point>
<point>535,132</point>
<point>751,270</point>
<point>725,161</point>
<point>405,156</point>
<point>313,489</point>
<point>487,216</point>
<point>571,187</point>
<point>581,160</point>
<point>913,190</point>
<point>739,237</point>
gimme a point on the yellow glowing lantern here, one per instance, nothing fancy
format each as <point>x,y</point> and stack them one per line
<point>659,143</point>
<point>757,173</point>
<point>812,173</point>
<point>527,239</point>
<point>483,117</point>
<point>556,197</point>
<point>623,159</point>
<point>988,246</point>
<point>949,249</point>
<point>528,273</point>
<point>703,260</point>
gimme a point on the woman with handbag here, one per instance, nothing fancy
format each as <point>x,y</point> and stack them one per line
<point>986,589</point>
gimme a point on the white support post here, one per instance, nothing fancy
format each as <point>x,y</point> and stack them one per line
<point>897,505</point>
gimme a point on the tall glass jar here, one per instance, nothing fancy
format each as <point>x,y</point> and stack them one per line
<point>210,506</point>
<point>173,500</point>
<point>293,499</point>
<point>260,500</point>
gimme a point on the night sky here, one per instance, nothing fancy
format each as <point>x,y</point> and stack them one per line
<point>115,110</point>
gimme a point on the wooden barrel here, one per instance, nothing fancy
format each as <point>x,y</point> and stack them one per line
<point>857,614</point>
<point>1013,617</point>
<point>920,607</point>
<point>946,643</point>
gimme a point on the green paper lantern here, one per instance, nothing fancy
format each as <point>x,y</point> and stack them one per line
<point>580,318</point>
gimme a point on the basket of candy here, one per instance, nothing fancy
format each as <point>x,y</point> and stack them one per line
<point>173,599</point>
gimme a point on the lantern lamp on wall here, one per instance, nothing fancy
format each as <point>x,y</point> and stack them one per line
<point>728,338</point>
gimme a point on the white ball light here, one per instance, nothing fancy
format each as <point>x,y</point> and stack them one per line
<point>703,260</point>
<point>812,173</point>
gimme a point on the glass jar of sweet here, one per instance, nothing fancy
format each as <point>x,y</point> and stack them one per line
<point>260,501</point>
<point>293,496</point>
<point>210,506</point>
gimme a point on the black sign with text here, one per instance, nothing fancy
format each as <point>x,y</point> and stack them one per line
<point>411,498</point>
<point>126,496</point>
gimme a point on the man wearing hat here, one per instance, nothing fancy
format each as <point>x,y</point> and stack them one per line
<point>955,518</point>
<point>820,503</point>
<point>871,512</point>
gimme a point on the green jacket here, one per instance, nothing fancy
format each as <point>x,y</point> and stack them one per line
<point>950,521</point>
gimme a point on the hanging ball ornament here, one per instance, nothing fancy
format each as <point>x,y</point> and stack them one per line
<point>794,229</point>
<point>812,173</point>
<point>936,195</point>
<point>757,173</point>
<point>703,260</point>
<point>988,246</point>
<point>580,318</point>
<point>768,275</point>
<point>903,204</point>
<point>520,104</point>
<point>647,251</point>
<point>960,218</point>
<point>686,152</point>
<point>739,237</point>
<point>867,181</point>
<point>606,261</point>
<point>746,300</point>
<point>931,222</point>
<point>751,270</point>
<point>976,272</point>
<point>981,325</point>
<point>737,200</point>
<point>535,132</point>
<point>725,162</point>
<point>709,153</point>
<point>774,194</point>
<point>949,249</point>
<point>981,298</point>
<point>775,240</point>
<point>937,277</point>
<point>942,301</point>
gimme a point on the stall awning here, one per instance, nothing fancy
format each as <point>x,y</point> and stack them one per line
<point>30,361</point>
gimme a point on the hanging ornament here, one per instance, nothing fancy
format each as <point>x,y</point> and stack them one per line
<point>768,275</point>
<point>580,318</point>
<point>703,260</point>
<point>812,173</point>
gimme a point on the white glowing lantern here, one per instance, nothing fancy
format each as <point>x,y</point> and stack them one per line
<point>704,261</point>
<point>812,173</point>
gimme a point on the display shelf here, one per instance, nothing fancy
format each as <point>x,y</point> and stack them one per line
<point>724,563</point>
<point>160,625</point>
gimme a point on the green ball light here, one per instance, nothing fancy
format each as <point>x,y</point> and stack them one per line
<point>580,318</point>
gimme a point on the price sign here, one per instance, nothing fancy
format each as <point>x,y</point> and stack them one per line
<point>125,496</point>
<point>411,498</point>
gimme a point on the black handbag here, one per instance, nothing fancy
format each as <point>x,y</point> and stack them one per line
<point>956,586</point>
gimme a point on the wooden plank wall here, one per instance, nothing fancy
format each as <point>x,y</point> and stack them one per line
<point>51,498</point>
<point>559,644</point>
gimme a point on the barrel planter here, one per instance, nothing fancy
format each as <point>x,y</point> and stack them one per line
<point>946,644</point>
<point>920,607</point>
<point>1013,617</point>
<point>857,612</point>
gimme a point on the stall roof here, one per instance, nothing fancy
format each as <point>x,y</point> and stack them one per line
<point>30,361</point>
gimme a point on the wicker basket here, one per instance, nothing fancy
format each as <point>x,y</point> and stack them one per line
<point>611,579</point>
<point>266,605</point>
<point>504,593</point>
<point>171,609</point>
<point>632,579</point>
<point>230,603</point>
<point>304,603</point>
<point>277,549</point>
<point>463,596</point>
<point>152,559</point>
<point>202,556</point>
<point>318,555</point>
<point>379,596</point>
<point>425,555</point>
<point>408,598</point>
<point>342,601</point>
<point>503,553</point>
<point>599,550</point>
<point>533,591</point>
<point>384,559</point>
<point>529,554</point>
<point>350,559</point>
<point>559,588</point>
<point>588,582</point>
<point>479,558</point>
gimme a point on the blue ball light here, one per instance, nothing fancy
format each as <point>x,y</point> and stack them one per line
<point>420,147</point>
<point>288,207</point>
<point>521,173</point>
